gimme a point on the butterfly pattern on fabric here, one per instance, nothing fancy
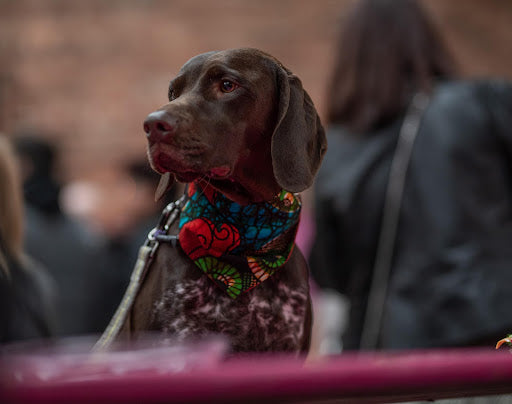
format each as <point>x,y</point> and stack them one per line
<point>237,246</point>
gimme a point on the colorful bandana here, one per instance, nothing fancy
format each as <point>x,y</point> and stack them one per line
<point>238,246</point>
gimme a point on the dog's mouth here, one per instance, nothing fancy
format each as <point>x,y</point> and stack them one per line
<point>226,185</point>
<point>188,170</point>
<point>220,176</point>
<point>216,174</point>
<point>186,163</point>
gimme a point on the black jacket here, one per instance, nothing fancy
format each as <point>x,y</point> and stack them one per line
<point>27,301</point>
<point>451,279</point>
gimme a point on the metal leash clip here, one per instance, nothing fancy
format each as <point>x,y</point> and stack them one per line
<point>159,234</point>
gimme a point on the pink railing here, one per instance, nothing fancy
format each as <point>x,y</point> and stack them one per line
<point>198,376</point>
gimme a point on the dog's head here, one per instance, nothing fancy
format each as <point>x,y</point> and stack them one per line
<point>239,120</point>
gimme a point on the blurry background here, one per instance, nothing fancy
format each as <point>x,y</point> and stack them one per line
<point>84,74</point>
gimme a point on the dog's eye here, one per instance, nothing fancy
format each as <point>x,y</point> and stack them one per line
<point>227,86</point>
<point>172,94</point>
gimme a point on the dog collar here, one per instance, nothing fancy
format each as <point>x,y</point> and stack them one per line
<point>237,246</point>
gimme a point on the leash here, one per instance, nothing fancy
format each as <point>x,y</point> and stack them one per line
<point>158,235</point>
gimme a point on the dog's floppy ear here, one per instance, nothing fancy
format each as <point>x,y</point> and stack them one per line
<point>298,141</point>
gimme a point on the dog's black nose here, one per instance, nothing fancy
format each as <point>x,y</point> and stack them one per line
<point>159,126</point>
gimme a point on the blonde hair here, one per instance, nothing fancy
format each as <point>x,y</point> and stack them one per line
<point>11,203</point>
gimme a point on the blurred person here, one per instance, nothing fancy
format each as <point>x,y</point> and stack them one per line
<point>61,244</point>
<point>123,238</point>
<point>451,269</point>
<point>27,292</point>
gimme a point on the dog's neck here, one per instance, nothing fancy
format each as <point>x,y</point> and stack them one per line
<point>253,179</point>
<point>249,192</point>
<point>237,246</point>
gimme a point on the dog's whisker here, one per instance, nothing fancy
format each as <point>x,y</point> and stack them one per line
<point>206,178</point>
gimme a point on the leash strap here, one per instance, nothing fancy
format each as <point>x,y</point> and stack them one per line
<point>391,213</point>
<point>145,258</point>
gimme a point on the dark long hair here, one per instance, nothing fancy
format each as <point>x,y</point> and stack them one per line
<point>388,49</point>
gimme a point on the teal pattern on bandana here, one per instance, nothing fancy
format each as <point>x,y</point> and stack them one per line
<point>238,246</point>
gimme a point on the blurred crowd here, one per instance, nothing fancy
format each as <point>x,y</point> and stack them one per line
<point>64,266</point>
<point>65,262</point>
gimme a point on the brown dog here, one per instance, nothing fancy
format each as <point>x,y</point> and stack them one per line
<point>239,125</point>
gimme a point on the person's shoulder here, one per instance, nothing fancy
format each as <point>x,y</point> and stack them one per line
<point>450,93</point>
<point>467,107</point>
<point>496,90</point>
<point>348,153</point>
<point>341,138</point>
<point>494,84</point>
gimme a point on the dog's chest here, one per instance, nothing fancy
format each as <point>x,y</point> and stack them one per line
<point>269,317</point>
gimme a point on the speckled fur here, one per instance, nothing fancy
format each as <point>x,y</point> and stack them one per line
<point>252,322</point>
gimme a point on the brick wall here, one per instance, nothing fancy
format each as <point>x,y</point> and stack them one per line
<point>88,72</point>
